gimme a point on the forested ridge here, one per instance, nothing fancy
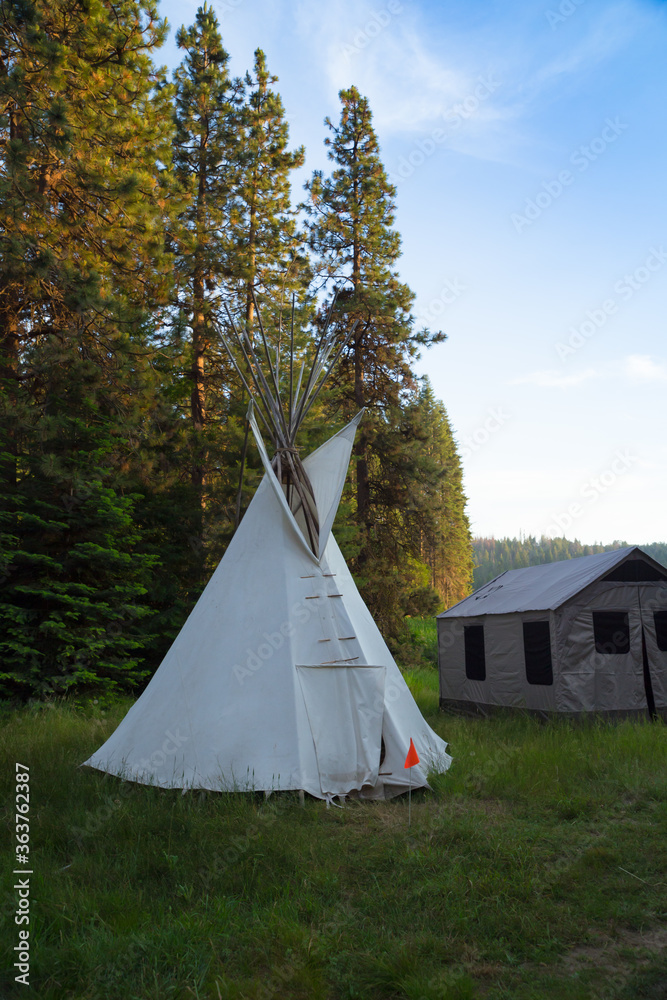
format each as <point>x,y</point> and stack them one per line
<point>134,206</point>
<point>493,556</point>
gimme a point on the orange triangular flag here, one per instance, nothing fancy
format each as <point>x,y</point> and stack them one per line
<point>413,756</point>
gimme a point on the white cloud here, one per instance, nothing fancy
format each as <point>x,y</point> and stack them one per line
<point>634,367</point>
<point>378,48</point>
<point>642,368</point>
<point>413,72</point>
<point>611,30</point>
<point>554,379</point>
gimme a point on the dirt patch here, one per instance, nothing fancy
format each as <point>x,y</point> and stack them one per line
<point>606,952</point>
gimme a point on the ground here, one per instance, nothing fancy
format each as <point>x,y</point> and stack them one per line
<point>534,868</point>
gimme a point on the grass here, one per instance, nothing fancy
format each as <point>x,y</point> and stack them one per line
<point>535,868</point>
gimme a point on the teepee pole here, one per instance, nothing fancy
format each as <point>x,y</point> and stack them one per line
<point>239,495</point>
<point>264,391</point>
<point>256,372</point>
<point>309,381</point>
<point>240,342</point>
<point>314,372</point>
<point>265,419</point>
<point>271,370</point>
<point>296,397</point>
<point>264,342</point>
<point>311,525</point>
<point>283,422</point>
<point>329,370</point>
<point>291,367</point>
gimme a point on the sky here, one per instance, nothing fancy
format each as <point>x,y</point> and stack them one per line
<point>528,145</point>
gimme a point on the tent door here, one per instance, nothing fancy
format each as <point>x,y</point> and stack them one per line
<point>648,684</point>
<point>653,614</point>
<point>345,708</point>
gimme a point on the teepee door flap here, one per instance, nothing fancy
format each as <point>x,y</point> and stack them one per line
<point>345,707</point>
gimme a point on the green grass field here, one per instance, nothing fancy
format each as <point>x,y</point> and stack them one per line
<point>536,868</point>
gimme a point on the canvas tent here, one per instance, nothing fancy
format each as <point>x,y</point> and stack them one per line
<point>280,678</point>
<point>578,636</point>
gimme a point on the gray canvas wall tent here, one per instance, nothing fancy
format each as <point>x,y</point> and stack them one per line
<point>578,636</point>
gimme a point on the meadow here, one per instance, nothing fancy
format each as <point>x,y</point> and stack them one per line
<point>536,867</point>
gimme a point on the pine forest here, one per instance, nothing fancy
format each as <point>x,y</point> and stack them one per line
<point>136,209</point>
<point>493,556</point>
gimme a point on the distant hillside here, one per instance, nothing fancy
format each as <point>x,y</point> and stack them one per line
<point>496,555</point>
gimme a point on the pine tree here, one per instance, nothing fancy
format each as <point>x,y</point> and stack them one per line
<point>351,232</point>
<point>267,257</point>
<point>86,135</point>
<point>494,556</point>
<point>206,164</point>
<point>73,609</point>
<point>267,248</point>
<point>443,526</point>
<point>84,130</point>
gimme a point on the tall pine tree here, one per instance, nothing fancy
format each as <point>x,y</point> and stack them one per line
<point>86,137</point>
<point>206,164</point>
<point>268,252</point>
<point>351,232</point>
<point>441,530</point>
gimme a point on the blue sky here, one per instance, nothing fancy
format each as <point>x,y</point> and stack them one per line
<point>528,145</point>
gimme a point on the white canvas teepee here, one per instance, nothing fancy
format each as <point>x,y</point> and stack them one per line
<point>279,678</point>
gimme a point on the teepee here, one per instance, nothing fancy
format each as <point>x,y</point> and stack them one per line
<point>279,678</point>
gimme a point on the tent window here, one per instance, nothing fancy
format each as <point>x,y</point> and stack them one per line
<point>473,641</point>
<point>611,630</point>
<point>660,619</point>
<point>537,652</point>
<point>635,571</point>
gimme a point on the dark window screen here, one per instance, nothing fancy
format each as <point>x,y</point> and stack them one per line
<point>611,630</point>
<point>473,641</point>
<point>537,652</point>
<point>660,619</point>
<point>635,571</point>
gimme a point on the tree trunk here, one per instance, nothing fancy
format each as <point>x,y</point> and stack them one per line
<point>361,444</point>
<point>9,363</point>
<point>197,398</point>
<point>363,489</point>
<point>252,256</point>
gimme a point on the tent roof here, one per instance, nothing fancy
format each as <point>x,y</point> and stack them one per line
<point>541,588</point>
